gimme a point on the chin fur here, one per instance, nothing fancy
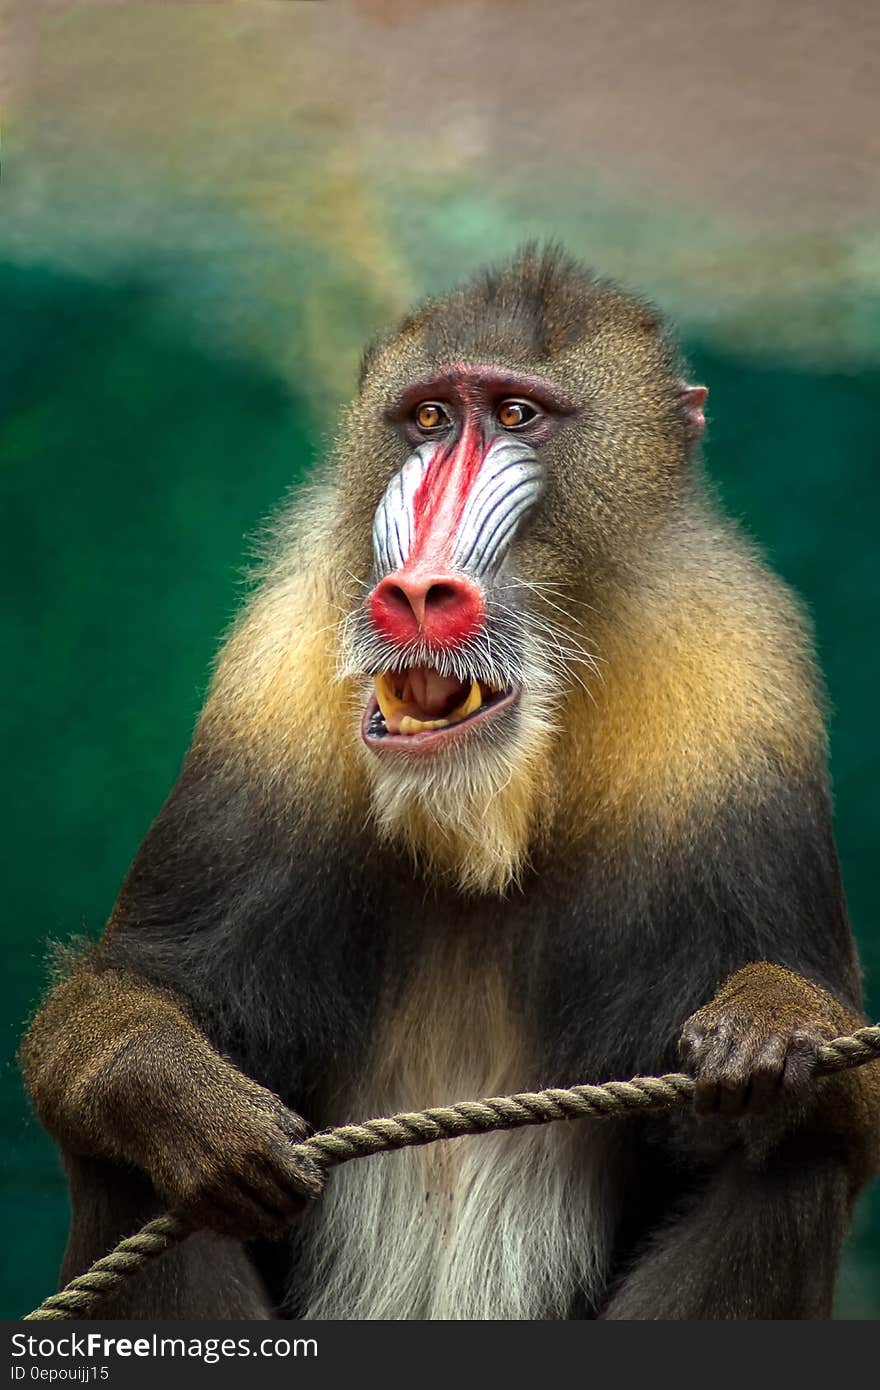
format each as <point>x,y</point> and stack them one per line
<point>472,811</point>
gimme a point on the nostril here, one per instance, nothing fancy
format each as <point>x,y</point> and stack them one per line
<point>396,597</point>
<point>441,596</point>
<point>454,610</point>
<point>446,611</point>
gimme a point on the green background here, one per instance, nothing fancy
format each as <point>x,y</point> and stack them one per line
<point>196,244</point>
<point>136,463</point>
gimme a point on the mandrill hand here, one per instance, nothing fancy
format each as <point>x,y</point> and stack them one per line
<point>757,1041</point>
<point>216,1145</point>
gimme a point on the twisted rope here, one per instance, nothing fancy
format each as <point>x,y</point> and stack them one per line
<point>330,1147</point>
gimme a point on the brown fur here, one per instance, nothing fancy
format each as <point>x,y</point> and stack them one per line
<point>706,676</point>
<point>276,699</point>
<point>483,1227</point>
<point>696,663</point>
<point>754,1050</point>
<point>78,1080</point>
<point>665,780</point>
<point>702,653</point>
<point>433,1033</point>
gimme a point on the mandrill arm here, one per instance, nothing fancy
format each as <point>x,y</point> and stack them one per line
<point>159,1064</point>
<point>754,1047</point>
<point>761,1234</point>
<point>777,1154</point>
<point>753,1050</point>
<point>117,1071</point>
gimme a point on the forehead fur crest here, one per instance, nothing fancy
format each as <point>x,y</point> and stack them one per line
<point>538,305</point>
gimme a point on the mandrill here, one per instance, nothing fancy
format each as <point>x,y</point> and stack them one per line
<point>512,774</point>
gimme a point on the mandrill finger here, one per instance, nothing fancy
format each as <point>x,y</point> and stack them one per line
<point>233,1211</point>
<point>256,1204</point>
<point>800,1060</point>
<point>691,1041</point>
<point>767,1074</point>
<point>707,1096</point>
<point>297,1181</point>
<point>293,1127</point>
<point>279,1208</point>
<point>733,1097</point>
<point>737,1078</point>
<point>301,1176</point>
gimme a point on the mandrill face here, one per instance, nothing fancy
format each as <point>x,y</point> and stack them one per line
<point>510,446</point>
<point>442,628</point>
<point>446,643</point>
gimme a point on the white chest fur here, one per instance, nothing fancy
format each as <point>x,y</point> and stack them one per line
<point>509,1225</point>
<point>506,1226</point>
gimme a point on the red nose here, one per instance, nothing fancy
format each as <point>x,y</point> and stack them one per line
<point>444,609</point>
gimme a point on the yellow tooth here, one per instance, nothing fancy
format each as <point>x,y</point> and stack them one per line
<point>391,706</point>
<point>408,725</point>
<point>473,702</point>
<point>385,697</point>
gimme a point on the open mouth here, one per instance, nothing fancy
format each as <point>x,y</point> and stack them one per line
<point>418,708</point>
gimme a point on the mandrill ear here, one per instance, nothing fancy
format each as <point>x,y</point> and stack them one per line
<point>693,399</point>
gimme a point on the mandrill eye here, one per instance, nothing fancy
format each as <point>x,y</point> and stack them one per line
<point>431,416</point>
<point>512,414</point>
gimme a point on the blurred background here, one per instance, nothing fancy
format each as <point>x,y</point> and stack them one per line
<point>207,209</point>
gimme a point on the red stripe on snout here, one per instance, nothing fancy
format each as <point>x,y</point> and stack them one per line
<point>441,496</point>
